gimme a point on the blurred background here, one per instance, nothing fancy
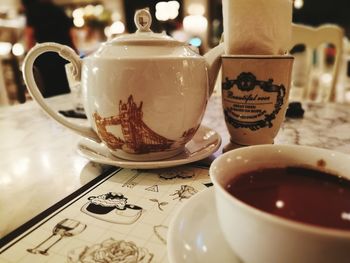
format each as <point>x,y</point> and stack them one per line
<point>90,22</point>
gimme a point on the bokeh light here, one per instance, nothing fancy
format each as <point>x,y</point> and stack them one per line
<point>78,21</point>
<point>5,48</point>
<point>167,10</point>
<point>298,4</point>
<point>196,41</point>
<point>18,49</point>
<point>196,9</point>
<point>195,24</point>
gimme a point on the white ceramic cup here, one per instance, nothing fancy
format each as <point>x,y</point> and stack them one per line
<point>257,236</point>
<point>255,90</point>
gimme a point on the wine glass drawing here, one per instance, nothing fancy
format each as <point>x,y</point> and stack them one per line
<point>65,228</point>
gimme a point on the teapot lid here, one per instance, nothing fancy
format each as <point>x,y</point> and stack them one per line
<point>144,34</point>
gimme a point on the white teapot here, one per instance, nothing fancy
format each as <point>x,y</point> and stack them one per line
<point>144,93</point>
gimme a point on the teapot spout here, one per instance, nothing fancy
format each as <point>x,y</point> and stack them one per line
<point>213,60</point>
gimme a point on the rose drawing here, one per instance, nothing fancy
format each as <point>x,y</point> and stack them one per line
<point>111,251</point>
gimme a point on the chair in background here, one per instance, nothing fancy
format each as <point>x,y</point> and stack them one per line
<point>311,68</point>
<point>3,92</point>
<point>12,88</point>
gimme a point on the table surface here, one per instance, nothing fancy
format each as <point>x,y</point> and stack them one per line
<point>39,164</point>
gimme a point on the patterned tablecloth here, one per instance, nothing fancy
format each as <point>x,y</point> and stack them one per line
<point>324,125</point>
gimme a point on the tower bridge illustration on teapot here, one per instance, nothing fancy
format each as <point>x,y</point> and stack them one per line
<point>144,93</point>
<point>138,137</point>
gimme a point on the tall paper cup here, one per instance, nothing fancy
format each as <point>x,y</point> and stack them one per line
<point>257,27</point>
<point>255,92</point>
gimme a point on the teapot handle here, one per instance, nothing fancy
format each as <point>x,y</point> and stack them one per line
<point>68,54</point>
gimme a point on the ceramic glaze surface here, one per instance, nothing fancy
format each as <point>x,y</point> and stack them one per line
<point>170,101</point>
<point>194,235</point>
<point>255,93</point>
<point>173,98</point>
<point>153,49</point>
<point>203,144</point>
<point>144,93</point>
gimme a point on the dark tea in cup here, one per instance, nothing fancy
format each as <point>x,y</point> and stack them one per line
<point>305,195</point>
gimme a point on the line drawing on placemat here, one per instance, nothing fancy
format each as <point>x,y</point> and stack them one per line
<point>153,188</point>
<point>208,184</point>
<point>111,250</point>
<point>158,231</point>
<point>65,228</point>
<point>159,204</point>
<point>130,182</point>
<point>173,173</point>
<point>112,207</point>
<point>185,192</point>
<point>141,221</point>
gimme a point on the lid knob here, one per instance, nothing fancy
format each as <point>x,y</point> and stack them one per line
<point>143,20</point>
